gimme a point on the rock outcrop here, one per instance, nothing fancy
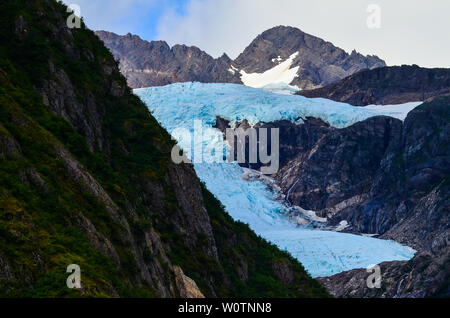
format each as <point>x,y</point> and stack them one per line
<point>382,177</point>
<point>187,287</point>
<point>375,172</point>
<point>386,85</point>
<point>293,139</point>
<point>426,275</point>
<point>155,63</point>
<point>320,63</point>
<point>86,178</point>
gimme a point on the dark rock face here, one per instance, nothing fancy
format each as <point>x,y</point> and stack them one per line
<point>386,85</point>
<point>320,63</point>
<point>154,63</point>
<point>337,171</point>
<point>294,139</point>
<point>375,172</point>
<point>415,167</point>
<point>394,182</point>
<point>425,227</point>
<point>86,177</point>
<point>426,275</point>
<point>383,177</point>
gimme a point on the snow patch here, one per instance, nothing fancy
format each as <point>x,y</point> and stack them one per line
<point>278,59</point>
<point>311,215</point>
<point>232,69</point>
<point>281,88</point>
<point>399,111</point>
<point>282,73</point>
<point>342,226</point>
<point>369,235</point>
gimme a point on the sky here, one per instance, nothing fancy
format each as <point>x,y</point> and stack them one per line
<point>410,31</point>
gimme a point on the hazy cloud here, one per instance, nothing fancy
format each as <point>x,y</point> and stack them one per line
<point>412,31</point>
<point>121,16</point>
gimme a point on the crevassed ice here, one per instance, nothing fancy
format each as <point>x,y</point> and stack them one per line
<point>323,253</point>
<point>281,88</point>
<point>237,102</point>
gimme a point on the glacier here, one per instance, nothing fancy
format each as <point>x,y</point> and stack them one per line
<point>323,253</point>
<point>281,88</point>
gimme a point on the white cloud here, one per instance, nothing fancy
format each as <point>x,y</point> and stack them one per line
<point>120,16</point>
<point>412,31</point>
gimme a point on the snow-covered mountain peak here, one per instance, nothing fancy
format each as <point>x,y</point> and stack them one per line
<point>281,73</point>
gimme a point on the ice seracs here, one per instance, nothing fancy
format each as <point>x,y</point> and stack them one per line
<point>235,102</point>
<point>311,215</point>
<point>281,88</point>
<point>342,226</point>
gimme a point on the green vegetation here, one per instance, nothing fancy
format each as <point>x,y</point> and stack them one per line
<point>44,201</point>
<point>263,258</point>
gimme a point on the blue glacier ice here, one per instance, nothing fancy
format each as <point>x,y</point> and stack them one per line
<point>237,102</point>
<point>323,253</point>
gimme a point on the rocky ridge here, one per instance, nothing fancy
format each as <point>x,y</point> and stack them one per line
<point>386,86</point>
<point>319,62</point>
<point>382,177</point>
<point>154,63</point>
<point>86,178</point>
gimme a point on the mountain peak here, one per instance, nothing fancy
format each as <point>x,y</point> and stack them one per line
<point>319,62</point>
<point>155,63</point>
<point>73,138</point>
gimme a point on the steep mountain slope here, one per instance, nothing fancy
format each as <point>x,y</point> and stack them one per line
<point>375,173</point>
<point>386,85</point>
<point>386,178</point>
<point>426,275</point>
<point>319,62</point>
<point>155,63</point>
<point>266,60</point>
<point>381,177</point>
<point>86,178</point>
